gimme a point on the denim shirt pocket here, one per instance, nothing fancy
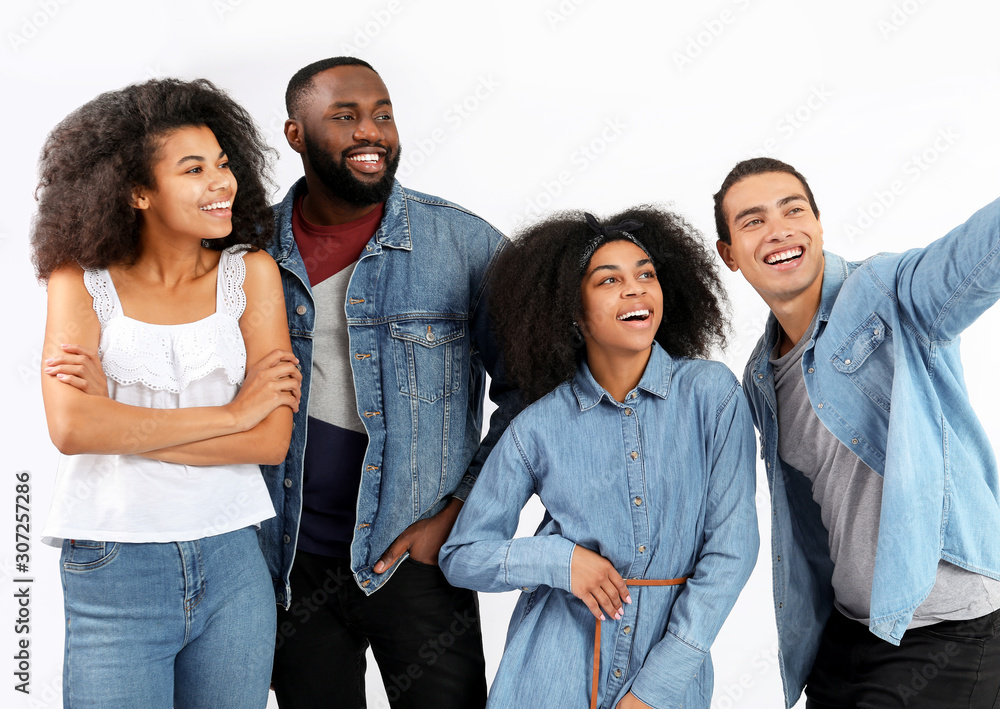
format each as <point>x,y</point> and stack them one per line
<point>427,352</point>
<point>866,358</point>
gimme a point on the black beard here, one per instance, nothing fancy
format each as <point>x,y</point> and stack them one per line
<point>336,176</point>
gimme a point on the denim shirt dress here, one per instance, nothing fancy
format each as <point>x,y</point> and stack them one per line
<point>662,486</point>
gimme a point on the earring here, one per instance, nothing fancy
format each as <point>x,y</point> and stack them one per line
<point>577,337</point>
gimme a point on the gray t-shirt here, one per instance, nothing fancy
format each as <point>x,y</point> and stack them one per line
<point>849,494</point>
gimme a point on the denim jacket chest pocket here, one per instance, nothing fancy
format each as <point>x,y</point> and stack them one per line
<point>866,358</point>
<point>429,354</point>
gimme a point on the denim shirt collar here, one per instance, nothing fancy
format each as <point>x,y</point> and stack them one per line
<point>835,272</point>
<point>655,380</point>
<point>393,231</point>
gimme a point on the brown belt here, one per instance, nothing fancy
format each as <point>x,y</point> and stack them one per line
<point>597,629</point>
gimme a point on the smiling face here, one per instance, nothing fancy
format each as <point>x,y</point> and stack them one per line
<point>621,302</point>
<point>347,135</point>
<point>777,241</point>
<point>194,190</point>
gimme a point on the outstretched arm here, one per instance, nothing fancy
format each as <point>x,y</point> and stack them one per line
<point>945,286</point>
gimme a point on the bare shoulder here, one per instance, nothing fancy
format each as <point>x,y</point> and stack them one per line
<point>261,268</point>
<point>70,315</point>
<point>66,283</point>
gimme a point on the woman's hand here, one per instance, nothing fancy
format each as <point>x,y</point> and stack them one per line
<point>80,368</point>
<point>596,582</point>
<point>273,381</point>
<point>630,702</point>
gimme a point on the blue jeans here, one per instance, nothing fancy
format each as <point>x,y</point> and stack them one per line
<point>161,625</point>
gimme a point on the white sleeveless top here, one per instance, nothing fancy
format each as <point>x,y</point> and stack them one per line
<point>127,498</point>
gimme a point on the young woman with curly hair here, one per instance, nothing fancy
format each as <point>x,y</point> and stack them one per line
<point>152,206</point>
<point>642,454</point>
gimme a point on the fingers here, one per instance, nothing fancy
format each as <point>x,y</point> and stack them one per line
<point>73,381</point>
<point>621,588</point>
<point>591,603</point>
<point>598,584</point>
<point>275,357</point>
<point>77,349</point>
<point>395,550</point>
<point>606,603</point>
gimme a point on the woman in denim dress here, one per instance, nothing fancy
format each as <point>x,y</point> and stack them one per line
<point>642,454</point>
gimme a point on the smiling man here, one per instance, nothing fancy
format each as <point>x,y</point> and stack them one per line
<point>385,290</point>
<point>884,487</point>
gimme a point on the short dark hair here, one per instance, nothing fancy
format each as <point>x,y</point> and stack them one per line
<point>535,294</point>
<point>747,168</point>
<point>300,85</point>
<point>95,158</point>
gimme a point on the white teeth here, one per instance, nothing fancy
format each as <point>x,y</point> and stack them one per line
<point>217,205</point>
<point>634,314</point>
<point>783,255</point>
<point>365,157</point>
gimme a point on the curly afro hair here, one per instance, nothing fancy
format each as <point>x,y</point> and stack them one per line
<point>94,159</point>
<point>535,294</point>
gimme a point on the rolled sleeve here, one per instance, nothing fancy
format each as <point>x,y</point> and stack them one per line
<point>668,670</point>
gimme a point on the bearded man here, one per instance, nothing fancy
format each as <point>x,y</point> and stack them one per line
<point>386,297</point>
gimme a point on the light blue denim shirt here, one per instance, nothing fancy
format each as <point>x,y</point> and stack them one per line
<point>421,343</point>
<point>883,374</point>
<point>661,485</point>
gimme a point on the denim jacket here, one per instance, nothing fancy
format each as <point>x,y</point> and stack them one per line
<point>418,327</point>
<point>883,374</point>
<point>662,486</point>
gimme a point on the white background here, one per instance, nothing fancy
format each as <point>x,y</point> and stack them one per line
<point>513,109</point>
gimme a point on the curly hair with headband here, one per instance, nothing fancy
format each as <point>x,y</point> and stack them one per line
<point>535,293</point>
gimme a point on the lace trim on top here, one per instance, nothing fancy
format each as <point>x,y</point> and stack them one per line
<point>169,357</point>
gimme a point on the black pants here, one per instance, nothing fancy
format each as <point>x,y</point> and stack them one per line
<point>424,633</point>
<point>951,665</point>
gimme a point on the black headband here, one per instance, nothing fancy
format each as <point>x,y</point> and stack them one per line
<point>603,234</point>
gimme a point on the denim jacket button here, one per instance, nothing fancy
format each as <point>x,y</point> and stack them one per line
<point>627,629</point>
<point>301,310</point>
<point>854,441</point>
<point>811,370</point>
<point>286,539</point>
<point>633,455</point>
<point>628,412</point>
<point>637,501</point>
<point>288,482</point>
<point>642,548</point>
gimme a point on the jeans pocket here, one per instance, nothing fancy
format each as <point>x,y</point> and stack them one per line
<point>81,555</point>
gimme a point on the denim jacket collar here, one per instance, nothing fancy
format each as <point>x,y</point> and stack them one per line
<point>655,380</point>
<point>835,272</point>
<point>393,231</point>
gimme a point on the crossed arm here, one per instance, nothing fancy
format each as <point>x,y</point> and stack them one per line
<point>253,428</point>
